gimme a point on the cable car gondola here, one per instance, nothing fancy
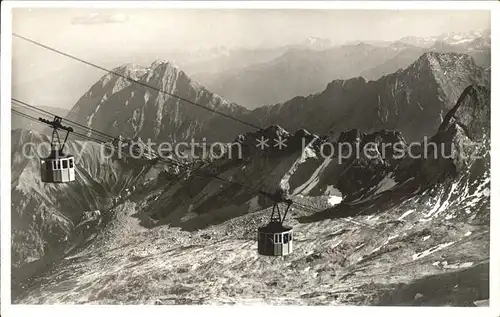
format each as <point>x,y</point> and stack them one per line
<point>58,167</point>
<point>275,239</point>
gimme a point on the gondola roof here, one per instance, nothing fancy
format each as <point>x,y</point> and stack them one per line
<point>55,154</point>
<point>274,227</point>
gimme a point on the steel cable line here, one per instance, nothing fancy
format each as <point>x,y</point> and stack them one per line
<point>131,80</point>
<point>76,133</point>
<point>113,138</point>
<point>137,82</point>
<point>175,163</point>
<point>37,121</point>
<point>105,143</point>
<point>170,161</point>
<point>26,105</point>
<point>144,85</point>
<point>196,171</point>
<point>75,124</point>
<point>249,189</point>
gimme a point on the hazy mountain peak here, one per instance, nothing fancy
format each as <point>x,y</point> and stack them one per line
<point>119,106</point>
<point>448,38</point>
<point>164,63</point>
<point>277,130</point>
<point>345,83</point>
<point>317,42</point>
<point>132,70</point>
<point>400,45</point>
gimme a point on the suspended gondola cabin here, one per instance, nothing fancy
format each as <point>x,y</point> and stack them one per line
<point>58,167</point>
<point>274,239</point>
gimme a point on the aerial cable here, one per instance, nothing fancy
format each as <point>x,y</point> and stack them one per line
<point>137,82</point>
<point>48,114</point>
<point>249,189</point>
<point>131,80</point>
<point>111,137</point>
<point>26,105</point>
<point>76,124</point>
<point>40,122</point>
<point>170,161</point>
<point>186,167</point>
<point>74,132</point>
<point>174,96</point>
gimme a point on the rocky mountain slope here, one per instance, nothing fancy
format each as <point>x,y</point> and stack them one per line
<point>119,107</point>
<point>377,229</point>
<point>46,217</point>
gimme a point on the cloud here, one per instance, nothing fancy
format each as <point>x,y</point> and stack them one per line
<point>100,18</point>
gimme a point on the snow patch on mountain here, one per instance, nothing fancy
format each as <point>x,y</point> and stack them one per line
<point>429,251</point>
<point>254,204</point>
<point>387,183</point>
<point>314,179</point>
<point>334,199</point>
<point>307,153</point>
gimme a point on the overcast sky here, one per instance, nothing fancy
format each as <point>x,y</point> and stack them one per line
<point>118,36</point>
<point>181,28</point>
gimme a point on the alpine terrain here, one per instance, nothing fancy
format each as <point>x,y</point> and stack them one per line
<point>405,222</point>
<point>413,101</point>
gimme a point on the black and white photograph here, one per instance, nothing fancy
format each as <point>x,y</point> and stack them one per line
<point>248,156</point>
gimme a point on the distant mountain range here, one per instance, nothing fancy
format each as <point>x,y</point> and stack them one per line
<point>304,71</point>
<point>447,38</point>
<point>298,72</point>
<point>223,70</point>
<point>412,100</point>
<point>222,60</point>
